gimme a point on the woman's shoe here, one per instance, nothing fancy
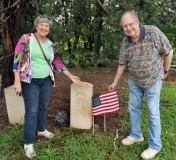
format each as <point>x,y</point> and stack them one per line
<point>29,151</point>
<point>45,134</point>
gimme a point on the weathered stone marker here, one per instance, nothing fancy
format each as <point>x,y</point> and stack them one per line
<point>15,106</point>
<point>81,105</point>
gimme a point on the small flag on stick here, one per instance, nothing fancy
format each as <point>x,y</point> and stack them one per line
<point>106,103</point>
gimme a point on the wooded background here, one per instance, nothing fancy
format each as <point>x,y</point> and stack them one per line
<point>85,32</point>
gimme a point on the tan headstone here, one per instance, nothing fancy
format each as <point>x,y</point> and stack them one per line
<point>81,105</point>
<point>15,106</point>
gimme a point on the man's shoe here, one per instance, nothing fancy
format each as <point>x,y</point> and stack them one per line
<point>45,134</point>
<point>149,153</point>
<point>130,140</point>
<point>29,151</point>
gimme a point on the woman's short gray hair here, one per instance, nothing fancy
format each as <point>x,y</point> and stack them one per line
<point>43,19</point>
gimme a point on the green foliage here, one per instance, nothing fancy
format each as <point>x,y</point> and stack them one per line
<point>0,50</point>
<point>170,33</point>
<point>89,33</point>
<point>74,28</point>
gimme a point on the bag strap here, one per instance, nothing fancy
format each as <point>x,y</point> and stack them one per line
<point>42,51</point>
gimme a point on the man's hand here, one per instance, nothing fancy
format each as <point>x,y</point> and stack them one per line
<point>112,87</point>
<point>165,75</point>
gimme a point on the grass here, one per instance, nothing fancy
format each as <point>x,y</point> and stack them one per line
<point>71,144</point>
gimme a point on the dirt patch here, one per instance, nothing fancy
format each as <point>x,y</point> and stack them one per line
<point>101,78</point>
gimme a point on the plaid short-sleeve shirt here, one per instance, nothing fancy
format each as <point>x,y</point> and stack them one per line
<point>145,58</point>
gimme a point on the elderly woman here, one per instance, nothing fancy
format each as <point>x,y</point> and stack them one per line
<point>34,78</point>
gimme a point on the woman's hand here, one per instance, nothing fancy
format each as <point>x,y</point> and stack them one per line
<point>75,79</point>
<point>17,87</point>
<point>17,83</point>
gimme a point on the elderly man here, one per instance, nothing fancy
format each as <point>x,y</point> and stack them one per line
<point>146,52</point>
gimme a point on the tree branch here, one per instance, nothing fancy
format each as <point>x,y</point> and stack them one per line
<point>173,3</point>
<point>36,13</point>
<point>1,58</point>
<point>102,7</point>
<point>36,6</point>
<point>13,5</point>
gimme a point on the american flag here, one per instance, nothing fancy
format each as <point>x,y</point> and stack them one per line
<point>106,103</point>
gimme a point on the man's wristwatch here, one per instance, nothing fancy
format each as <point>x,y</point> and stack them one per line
<point>165,71</point>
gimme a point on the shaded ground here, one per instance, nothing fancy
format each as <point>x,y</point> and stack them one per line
<point>101,78</point>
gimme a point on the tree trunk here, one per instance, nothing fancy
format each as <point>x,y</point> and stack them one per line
<point>13,27</point>
<point>97,28</point>
<point>8,46</point>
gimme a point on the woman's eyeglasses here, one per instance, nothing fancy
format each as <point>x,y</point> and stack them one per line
<point>45,16</point>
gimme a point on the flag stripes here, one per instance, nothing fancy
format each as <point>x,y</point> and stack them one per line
<point>106,103</point>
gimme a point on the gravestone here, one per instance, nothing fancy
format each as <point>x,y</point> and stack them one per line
<point>15,106</point>
<point>81,105</point>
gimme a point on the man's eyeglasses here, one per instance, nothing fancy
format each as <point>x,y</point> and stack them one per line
<point>129,25</point>
<point>45,16</point>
